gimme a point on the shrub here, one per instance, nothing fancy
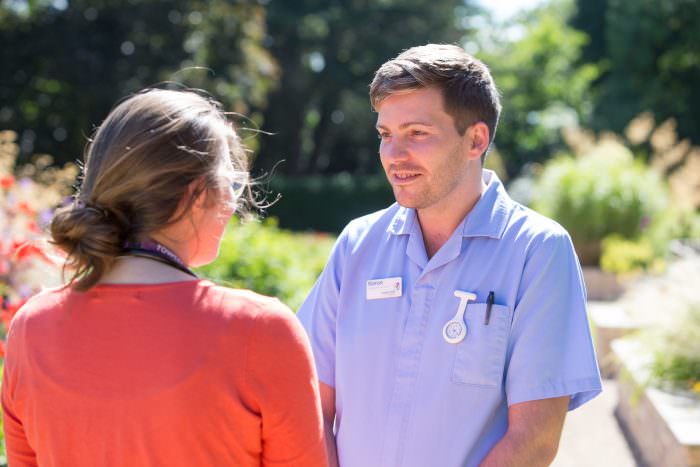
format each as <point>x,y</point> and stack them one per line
<point>647,253</point>
<point>271,261</point>
<point>604,192</point>
<point>623,256</point>
<point>676,363</point>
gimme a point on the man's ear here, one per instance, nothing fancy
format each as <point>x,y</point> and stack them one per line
<point>476,137</point>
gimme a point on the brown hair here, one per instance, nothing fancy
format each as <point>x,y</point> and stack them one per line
<point>138,167</point>
<point>468,91</point>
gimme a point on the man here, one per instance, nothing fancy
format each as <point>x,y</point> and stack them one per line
<point>449,329</point>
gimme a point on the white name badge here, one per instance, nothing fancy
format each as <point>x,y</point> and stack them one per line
<point>384,288</point>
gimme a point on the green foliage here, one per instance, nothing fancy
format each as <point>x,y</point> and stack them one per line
<point>605,192</point>
<point>589,17</point>
<point>625,256</point>
<point>649,51</point>
<point>543,85</point>
<point>689,225</point>
<point>677,354</point>
<point>328,52</point>
<point>647,252</point>
<point>63,69</point>
<point>328,203</point>
<point>263,258</point>
<point>672,223</point>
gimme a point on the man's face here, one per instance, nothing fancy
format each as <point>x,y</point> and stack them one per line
<point>421,151</point>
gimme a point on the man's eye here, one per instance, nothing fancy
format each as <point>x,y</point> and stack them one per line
<point>418,133</point>
<point>383,135</point>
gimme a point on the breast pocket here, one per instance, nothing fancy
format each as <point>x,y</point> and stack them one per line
<point>480,357</point>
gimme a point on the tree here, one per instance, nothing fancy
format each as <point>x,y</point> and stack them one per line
<point>651,60</point>
<point>589,17</point>
<point>64,68</point>
<point>328,52</point>
<point>535,62</point>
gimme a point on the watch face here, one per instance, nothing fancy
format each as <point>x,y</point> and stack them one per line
<point>454,329</point>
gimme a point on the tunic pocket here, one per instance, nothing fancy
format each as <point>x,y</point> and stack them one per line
<point>480,357</point>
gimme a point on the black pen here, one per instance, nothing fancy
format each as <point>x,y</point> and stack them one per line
<point>489,304</point>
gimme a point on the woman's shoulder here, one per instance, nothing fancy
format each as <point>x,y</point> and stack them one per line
<point>37,312</point>
<point>44,301</point>
<point>271,323</point>
<point>252,304</point>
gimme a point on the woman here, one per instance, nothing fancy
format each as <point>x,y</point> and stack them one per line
<point>137,362</point>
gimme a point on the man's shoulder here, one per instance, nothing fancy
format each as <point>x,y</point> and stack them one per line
<point>529,226</point>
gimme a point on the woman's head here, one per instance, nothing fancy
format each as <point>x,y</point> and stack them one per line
<point>159,156</point>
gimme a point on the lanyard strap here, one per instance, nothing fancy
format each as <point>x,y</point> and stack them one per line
<point>158,251</point>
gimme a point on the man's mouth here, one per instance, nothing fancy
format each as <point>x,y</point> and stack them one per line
<point>402,178</point>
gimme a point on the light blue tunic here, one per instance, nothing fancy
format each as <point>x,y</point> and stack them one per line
<point>405,396</point>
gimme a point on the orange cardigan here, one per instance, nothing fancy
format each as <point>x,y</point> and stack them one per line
<point>176,374</point>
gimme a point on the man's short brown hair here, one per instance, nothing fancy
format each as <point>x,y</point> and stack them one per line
<point>468,91</point>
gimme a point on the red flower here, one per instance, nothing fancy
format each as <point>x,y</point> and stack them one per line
<point>25,208</point>
<point>7,182</point>
<point>23,250</point>
<point>6,317</point>
<point>10,311</point>
<point>33,227</point>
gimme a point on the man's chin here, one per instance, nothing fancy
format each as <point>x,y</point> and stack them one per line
<point>408,198</point>
<point>406,202</point>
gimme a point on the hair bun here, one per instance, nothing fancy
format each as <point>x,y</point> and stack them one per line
<point>93,207</point>
<point>91,235</point>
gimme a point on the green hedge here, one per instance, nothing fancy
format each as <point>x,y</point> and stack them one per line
<point>266,259</point>
<point>327,203</point>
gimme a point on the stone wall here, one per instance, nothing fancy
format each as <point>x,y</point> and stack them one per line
<point>663,429</point>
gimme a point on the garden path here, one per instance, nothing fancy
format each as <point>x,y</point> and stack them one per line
<point>592,436</point>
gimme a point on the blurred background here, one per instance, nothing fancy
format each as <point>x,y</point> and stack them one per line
<point>600,130</point>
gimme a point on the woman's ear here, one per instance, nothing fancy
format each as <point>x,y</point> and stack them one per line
<point>187,202</point>
<point>201,200</point>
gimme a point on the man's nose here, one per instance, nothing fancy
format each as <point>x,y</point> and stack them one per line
<point>394,150</point>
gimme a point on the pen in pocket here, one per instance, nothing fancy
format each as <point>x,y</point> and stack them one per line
<point>489,305</point>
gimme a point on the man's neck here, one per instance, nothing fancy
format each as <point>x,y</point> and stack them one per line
<point>438,223</point>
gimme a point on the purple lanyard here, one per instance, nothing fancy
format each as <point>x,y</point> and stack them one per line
<point>158,250</point>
